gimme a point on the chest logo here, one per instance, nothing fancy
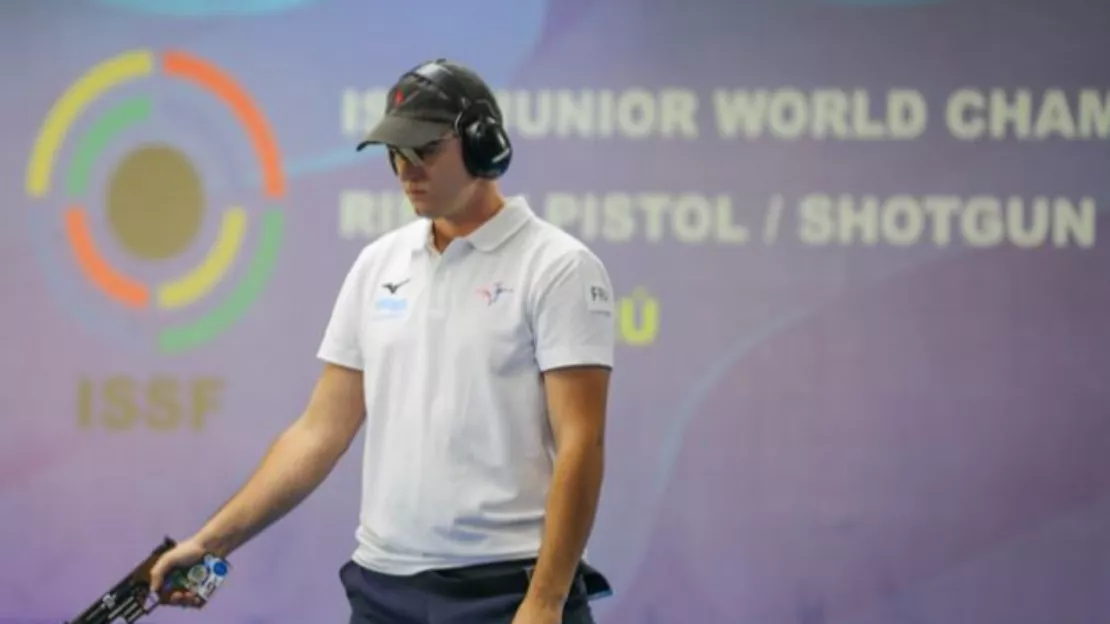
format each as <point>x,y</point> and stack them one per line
<point>492,293</point>
<point>395,286</point>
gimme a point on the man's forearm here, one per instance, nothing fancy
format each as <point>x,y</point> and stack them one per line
<point>297,462</point>
<point>571,507</point>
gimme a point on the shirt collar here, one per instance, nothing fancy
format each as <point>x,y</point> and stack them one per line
<point>491,234</point>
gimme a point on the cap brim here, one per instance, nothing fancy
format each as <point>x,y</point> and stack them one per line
<point>397,131</point>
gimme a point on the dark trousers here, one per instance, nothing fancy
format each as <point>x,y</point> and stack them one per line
<point>481,594</point>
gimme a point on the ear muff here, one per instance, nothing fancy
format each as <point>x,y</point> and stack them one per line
<point>486,148</point>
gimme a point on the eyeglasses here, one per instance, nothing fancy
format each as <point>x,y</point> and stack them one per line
<point>418,155</point>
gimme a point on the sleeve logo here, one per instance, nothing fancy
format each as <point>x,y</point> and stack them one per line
<point>599,300</point>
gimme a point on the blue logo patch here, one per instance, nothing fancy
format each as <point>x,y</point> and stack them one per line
<point>391,305</point>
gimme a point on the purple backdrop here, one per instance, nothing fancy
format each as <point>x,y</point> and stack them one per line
<point>862,377</point>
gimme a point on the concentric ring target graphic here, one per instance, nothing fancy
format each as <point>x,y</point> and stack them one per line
<point>132,236</point>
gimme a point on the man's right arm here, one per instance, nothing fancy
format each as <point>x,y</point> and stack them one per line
<point>297,462</point>
<point>305,452</point>
<point>301,458</point>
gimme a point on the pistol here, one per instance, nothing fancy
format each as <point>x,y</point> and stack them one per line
<point>131,598</point>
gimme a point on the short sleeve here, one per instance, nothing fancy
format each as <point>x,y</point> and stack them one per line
<point>574,320</point>
<point>341,344</point>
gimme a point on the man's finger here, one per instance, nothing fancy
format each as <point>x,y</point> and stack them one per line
<point>176,597</point>
<point>155,579</point>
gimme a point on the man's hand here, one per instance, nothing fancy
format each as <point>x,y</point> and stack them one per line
<point>184,555</point>
<point>536,612</point>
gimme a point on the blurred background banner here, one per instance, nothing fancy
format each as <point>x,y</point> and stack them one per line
<point>859,247</point>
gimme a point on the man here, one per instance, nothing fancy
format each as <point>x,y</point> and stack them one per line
<point>476,344</point>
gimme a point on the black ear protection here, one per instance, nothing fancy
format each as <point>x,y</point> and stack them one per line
<point>486,148</point>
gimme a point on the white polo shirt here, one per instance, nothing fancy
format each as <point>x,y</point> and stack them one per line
<point>458,452</point>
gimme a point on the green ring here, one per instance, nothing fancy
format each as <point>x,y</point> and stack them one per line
<point>95,139</point>
<point>185,337</point>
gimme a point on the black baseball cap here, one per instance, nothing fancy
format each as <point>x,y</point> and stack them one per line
<point>419,112</point>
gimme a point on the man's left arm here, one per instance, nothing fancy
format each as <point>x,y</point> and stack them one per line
<point>575,343</point>
<point>576,398</point>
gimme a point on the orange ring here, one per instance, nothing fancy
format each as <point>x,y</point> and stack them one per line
<point>120,287</point>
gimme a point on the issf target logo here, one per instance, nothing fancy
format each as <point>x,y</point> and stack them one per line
<point>129,236</point>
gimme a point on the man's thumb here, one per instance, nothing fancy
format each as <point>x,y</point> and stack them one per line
<point>157,572</point>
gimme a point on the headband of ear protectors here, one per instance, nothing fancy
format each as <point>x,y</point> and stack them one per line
<point>486,148</point>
